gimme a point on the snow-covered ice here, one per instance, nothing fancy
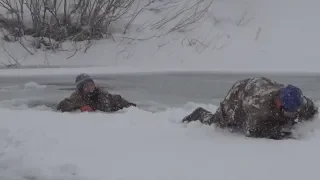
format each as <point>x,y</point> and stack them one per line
<point>33,85</point>
<point>135,144</point>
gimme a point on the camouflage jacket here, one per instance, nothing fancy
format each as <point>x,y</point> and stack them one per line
<point>103,102</point>
<point>249,107</point>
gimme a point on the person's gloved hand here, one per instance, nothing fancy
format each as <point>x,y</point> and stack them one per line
<point>86,109</point>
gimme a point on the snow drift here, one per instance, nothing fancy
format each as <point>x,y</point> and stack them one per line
<point>136,144</point>
<point>236,35</point>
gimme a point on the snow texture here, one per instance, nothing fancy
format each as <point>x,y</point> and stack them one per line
<point>33,85</point>
<point>135,144</point>
<point>235,35</point>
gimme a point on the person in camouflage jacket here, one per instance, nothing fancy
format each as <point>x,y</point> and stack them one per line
<point>259,107</point>
<point>88,97</point>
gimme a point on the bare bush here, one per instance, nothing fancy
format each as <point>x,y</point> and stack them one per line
<point>182,17</point>
<point>175,16</point>
<point>55,21</point>
<point>178,15</point>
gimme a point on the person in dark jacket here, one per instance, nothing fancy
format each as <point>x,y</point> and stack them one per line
<point>88,97</point>
<point>259,107</point>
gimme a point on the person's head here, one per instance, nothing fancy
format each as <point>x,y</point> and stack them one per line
<point>85,84</point>
<point>290,99</point>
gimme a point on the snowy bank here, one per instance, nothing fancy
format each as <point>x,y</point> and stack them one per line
<point>235,35</point>
<point>134,144</point>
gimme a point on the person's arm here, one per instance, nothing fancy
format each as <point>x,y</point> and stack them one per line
<point>118,102</point>
<point>69,104</point>
<point>112,102</point>
<point>199,114</point>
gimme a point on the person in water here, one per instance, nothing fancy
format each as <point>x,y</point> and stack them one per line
<point>88,97</point>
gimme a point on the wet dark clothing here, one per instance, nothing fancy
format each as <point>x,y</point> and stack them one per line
<point>100,100</point>
<point>250,108</point>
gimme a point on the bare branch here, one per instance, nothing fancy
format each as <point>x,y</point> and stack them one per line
<point>136,14</point>
<point>16,62</point>
<point>62,20</point>
<point>187,15</point>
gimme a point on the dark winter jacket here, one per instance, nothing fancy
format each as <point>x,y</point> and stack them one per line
<point>250,108</point>
<point>102,101</point>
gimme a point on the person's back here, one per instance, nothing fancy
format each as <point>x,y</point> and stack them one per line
<point>248,107</point>
<point>258,107</point>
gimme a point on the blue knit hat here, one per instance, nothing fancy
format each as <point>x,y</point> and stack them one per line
<point>81,79</point>
<point>291,98</point>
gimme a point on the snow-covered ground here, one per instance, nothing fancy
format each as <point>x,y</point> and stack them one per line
<point>135,144</point>
<point>36,143</point>
<point>235,35</point>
